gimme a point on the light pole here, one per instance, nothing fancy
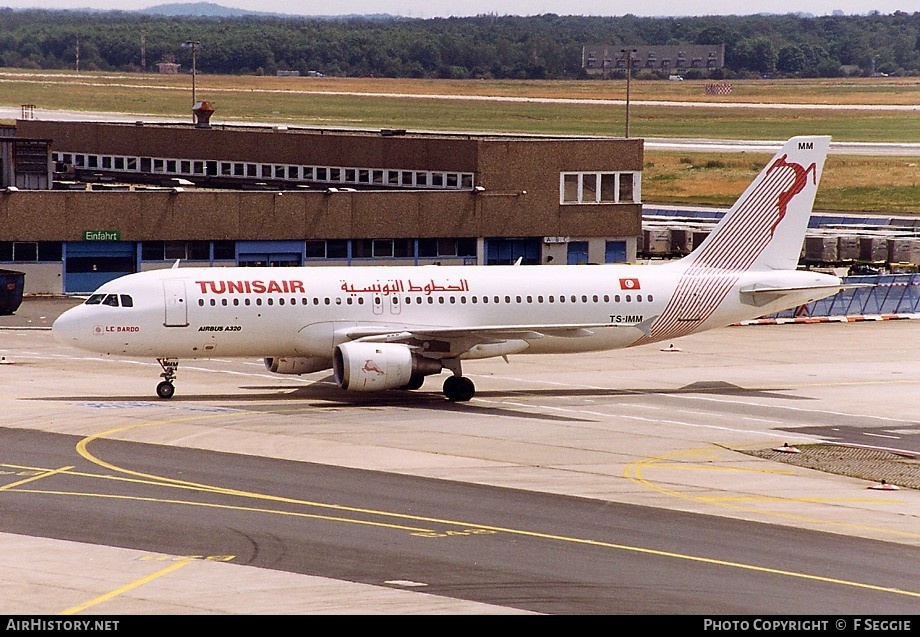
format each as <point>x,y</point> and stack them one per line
<point>628,53</point>
<point>193,45</point>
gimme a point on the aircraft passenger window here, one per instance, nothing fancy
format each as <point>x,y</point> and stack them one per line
<point>95,299</point>
<point>595,298</point>
<point>213,302</point>
<point>349,300</point>
<point>552,299</point>
<point>474,299</point>
<point>281,301</point>
<point>127,301</point>
<point>376,300</point>
<point>248,301</point>
<point>453,300</point>
<point>271,301</point>
<point>616,298</point>
<point>529,299</point>
<point>517,299</point>
<point>200,302</point>
<point>223,302</point>
<point>485,299</point>
<point>561,298</point>
<point>258,301</point>
<point>639,297</point>
<point>495,299</point>
<point>110,299</point>
<point>606,298</point>
<point>430,300</point>
<point>574,298</point>
<point>304,301</point>
<point>360,301</point>
<point>338,300</point>
<point>315,301</point>
<point>441,300</point>
<point>540,299</point>
<point>507,299</point>
<point>628,298</point>
<point>326,300</point>
<point>236,302</point>
<point>463,300</point>
<point>649,298</point>
<point>584,298</point>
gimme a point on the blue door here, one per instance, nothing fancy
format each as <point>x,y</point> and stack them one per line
<point>615,252</point>
<point>89,264</point>
<point>578,253</point>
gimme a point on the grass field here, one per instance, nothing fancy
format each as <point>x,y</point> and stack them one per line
<point>866,110</point>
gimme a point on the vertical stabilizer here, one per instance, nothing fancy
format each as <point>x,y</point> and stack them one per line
<point>766,227</point>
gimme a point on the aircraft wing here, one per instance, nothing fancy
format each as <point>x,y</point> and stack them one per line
<point>482,334</point>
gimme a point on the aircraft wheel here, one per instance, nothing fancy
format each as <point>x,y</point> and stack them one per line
<point>459,388</point>
<point>414,382</point>
<point>166,390</point>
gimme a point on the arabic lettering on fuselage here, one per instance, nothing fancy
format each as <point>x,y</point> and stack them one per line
<point>398,286</point>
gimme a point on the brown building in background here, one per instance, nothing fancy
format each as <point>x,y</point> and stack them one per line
<point>664,60</point>
<point>132,196</point>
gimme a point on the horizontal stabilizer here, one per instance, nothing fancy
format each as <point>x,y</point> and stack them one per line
<point>758,296</point>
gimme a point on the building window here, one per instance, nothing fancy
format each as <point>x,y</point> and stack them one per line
<point>447,247</point>
<point>172,250</point>
<point>30,251</point>
<point>599,188</point>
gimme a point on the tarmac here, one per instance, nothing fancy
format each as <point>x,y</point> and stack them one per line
<point>727,423</point>
<point>893,469</point>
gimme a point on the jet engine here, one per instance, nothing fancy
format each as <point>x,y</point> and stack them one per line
<point>297,365</point>
<point>377,366</point>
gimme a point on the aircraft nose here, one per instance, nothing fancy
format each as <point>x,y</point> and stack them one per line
<point>65,328</point>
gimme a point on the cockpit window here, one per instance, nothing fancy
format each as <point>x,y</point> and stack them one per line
<point>111,300</point>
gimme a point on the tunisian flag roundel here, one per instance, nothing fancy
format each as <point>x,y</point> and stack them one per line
<point>629,284</point>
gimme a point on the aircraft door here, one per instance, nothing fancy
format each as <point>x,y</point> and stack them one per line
<point>395,304</point>
<point>176,303</point>
<point>691,309</point>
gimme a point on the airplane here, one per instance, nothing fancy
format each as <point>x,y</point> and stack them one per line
<point>389,327</point>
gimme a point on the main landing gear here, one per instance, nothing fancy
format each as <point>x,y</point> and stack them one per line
<point>457,388</point>
<point>166,389</point>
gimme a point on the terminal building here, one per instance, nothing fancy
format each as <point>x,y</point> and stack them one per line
<point>107,199</point>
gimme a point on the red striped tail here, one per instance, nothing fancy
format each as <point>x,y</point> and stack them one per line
<point>763,231</point>
<point>766,227</point>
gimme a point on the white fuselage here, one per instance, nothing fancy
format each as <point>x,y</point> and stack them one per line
<point>304,311</point>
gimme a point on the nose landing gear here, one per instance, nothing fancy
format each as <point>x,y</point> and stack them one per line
<point>166,389</point>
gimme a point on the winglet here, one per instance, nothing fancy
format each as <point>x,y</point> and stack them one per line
<point>766,227</point>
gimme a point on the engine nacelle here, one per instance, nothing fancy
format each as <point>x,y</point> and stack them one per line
<point>378,366</point>
<point>297,365</point>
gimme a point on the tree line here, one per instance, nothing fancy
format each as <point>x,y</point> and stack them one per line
<point>487,46</point>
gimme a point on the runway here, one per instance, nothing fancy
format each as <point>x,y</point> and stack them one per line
<point>649,453</point>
